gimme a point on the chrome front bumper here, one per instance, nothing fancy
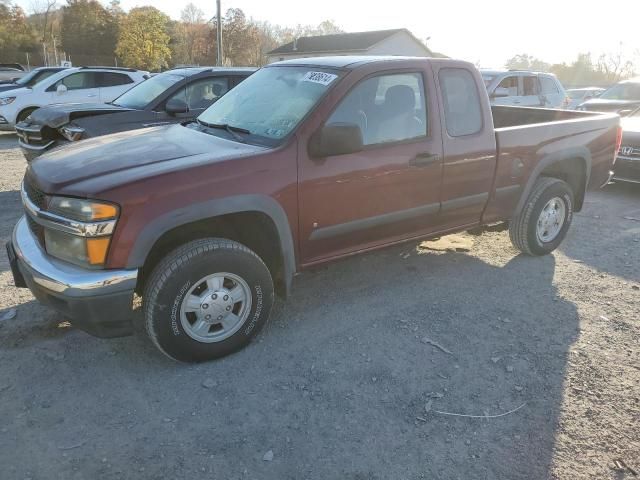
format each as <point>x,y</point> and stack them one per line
<point>97,301</point>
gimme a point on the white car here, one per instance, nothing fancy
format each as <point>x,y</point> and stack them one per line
<point>579,95</point>
<point>73,85</point>
<point>524,89</point>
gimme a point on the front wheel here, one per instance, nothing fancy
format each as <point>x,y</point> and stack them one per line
<point>545,219</point>
<point>207,299</point>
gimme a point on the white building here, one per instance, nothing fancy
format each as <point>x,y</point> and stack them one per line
<point>399,41</point>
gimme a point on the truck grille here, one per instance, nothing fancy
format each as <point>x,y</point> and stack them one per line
<point>30,136</point>
<point>35,195</point>
<point>630,151</point>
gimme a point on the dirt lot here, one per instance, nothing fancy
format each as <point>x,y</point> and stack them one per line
<point>346,381</point>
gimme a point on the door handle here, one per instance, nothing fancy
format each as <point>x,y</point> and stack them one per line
<point>424,159</point>
<point>92,95</point>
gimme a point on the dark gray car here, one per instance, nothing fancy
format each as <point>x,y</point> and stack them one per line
<point>174,96</point>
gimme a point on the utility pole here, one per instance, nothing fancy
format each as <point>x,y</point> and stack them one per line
<point>219,33</point>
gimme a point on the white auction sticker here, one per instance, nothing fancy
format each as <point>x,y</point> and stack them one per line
<point>319,77</point>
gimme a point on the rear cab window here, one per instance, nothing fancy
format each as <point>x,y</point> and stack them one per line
<point>461,101</point>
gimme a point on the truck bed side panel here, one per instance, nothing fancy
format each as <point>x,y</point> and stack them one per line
<point>524,152</point>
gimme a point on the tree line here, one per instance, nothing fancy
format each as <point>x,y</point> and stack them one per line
<point>89,33</point>
<point>606,69</point>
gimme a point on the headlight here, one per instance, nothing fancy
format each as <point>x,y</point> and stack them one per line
<point>81,251</point>
<point>6,100</point>
<point>72,133</point>
<point>82,210</point>
<point>85,249</point>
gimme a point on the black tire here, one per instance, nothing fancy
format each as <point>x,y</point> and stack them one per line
<point>171,280</point>
<point>22,116</point>
<point>522,228</point>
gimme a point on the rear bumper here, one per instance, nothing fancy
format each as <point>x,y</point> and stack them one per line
<point>96,301</point>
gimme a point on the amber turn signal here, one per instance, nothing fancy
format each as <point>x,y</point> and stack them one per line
<point>97,250</point>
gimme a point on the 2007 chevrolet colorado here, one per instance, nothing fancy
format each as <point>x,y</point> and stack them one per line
<point>305,162</point>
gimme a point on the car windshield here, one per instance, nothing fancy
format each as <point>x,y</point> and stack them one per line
<point>271,102</point>
<point>35,76</point>
<point>622,91</point>
<point>142,94</point>
<point>488,79</point>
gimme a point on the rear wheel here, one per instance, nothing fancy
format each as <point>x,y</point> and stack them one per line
<point>545,219</point>
<point>207,299</point>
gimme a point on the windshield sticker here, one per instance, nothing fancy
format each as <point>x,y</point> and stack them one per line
<point>319,77</point>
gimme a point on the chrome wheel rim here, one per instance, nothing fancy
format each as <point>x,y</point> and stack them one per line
<point>551,220</point>
<point>215,307</point>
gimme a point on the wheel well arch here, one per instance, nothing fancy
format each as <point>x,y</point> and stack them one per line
<point>25,109</point>
<point>573,171</point>
<point>254,229</point>
<point>572,166</point>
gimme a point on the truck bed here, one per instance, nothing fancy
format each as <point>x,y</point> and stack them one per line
<point>505,117</point>
<point>529,139</point>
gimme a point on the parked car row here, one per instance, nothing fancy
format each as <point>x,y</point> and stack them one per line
<point>174,96</point>
<point>304,162</point>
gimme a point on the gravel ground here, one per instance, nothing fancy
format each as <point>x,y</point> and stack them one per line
<point>348,380</point>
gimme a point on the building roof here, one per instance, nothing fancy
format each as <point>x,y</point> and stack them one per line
<point>339,42</point>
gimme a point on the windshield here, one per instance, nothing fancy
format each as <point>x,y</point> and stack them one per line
<point>271,102</point>
<point>142,94</point>
<point>623,91</point>
<point>35,76</point>
<point>488,79</point>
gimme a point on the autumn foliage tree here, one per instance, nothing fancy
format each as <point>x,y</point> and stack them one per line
<point>143,41</point>
<point>16,35</point>
<point>88,29</point>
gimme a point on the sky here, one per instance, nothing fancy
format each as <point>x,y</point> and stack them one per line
<point>485,32</point>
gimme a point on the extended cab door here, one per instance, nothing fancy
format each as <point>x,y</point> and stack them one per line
<point>388,191</point>
<point>469,144</point>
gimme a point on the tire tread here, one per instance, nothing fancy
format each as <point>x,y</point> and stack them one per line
<point>520,223</point>
<point>172,262</point>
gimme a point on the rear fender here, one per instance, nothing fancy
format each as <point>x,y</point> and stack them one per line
<point>556,159</point>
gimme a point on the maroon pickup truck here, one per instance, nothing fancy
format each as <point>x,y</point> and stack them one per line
<point>305,162</point>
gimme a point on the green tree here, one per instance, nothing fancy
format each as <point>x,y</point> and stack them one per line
<point>88,29</point>
<point>527,62</point>
<point>143,41</point>
<point>16,36</point>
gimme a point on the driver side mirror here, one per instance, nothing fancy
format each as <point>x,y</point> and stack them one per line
<point>61,89</point>
<point>175,106</point>
<point>336,139</point>
<point>500,92</point>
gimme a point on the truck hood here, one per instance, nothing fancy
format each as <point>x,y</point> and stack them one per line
<point>55,116</point>
<point>99,164</point>
<point>604,105</point>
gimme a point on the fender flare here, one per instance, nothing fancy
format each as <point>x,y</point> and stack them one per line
<point>159,226</point>
<point>581,153</point>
